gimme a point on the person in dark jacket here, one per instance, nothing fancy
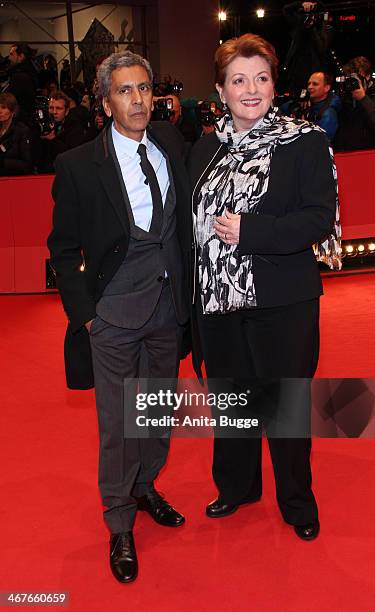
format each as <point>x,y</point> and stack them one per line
<point>23,80</point>
<point>15,140</point>
<point>67,131</point>
<point>264,194</point>
<point>311,39</point>
<point>357,116</point>
<point>122,205</point>
<point>48,74</point>
<point>77,110</point>
<point>322,105</point>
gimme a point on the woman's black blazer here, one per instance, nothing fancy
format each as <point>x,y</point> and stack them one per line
<point>297,211</point>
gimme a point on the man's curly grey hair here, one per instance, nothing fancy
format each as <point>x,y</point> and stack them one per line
<point>125,59</point>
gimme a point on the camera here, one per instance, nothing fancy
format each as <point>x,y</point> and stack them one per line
<point>167,87</point>
<point>208,113</point>
<point>163,109</point>
<point>349,83</point>
<point>315,17</point>
<point>41,116</point>
<point>298,108</point>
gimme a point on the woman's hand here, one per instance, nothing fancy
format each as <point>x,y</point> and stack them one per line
<point>227,228</point>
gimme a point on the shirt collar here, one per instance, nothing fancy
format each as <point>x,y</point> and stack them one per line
<point>125,146</point>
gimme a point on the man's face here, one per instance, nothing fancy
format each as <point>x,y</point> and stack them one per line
<point>57,110</point>
<point>130,101</point>
<point>317,88</point>
<point>14,58</point>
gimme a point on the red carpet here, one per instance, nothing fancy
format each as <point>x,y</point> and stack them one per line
<point>53,538</point>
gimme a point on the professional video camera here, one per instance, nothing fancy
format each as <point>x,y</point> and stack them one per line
<point>166,87</point>
<point>298,108</point>
<point>163,109</point>
<point>41,116</point>
<point>208,113</point>
<point>349,83</point>
<point>315,17</point>
<point>346,83</point>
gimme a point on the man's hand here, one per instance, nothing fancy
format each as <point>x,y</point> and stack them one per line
<point>207,129</point>
<point>308,6</point>
<point>49,136</point>
<point>88,325</point>
<point>99,122</point>
<point>359,94</point>
<point>227,228</point>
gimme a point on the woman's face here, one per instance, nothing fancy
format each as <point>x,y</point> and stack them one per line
<point>247,91</point>
<point>5,114</point>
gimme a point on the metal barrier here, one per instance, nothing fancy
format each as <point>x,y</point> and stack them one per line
<point>26,213</point>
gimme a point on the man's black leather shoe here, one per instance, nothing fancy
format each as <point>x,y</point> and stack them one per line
<point>160,510</point>
<point>308,532</point>
<point>123,557</point>
<point>218,509</point>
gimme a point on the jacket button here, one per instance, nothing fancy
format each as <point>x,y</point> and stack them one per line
<point>192,246</point>
<point>116,249</point>
<point>160,279</point>
<point>100,275</point>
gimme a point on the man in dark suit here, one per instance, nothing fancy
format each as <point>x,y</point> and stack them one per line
<point>120,250</point>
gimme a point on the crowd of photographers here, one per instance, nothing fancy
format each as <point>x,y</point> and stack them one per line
<point>42,115</point>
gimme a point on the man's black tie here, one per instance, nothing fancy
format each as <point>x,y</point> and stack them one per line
<point>157,202</point>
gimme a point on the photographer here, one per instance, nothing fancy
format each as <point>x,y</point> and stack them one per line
<point>169,108</point>
<point>308,51</point>
<point>77,110</point>
<point>320,105</point>
<point>357,117</point>
<point>15,145</point>
<point>65,132</point>
<point>23,80</point>
<point>324,104</point>
<point>98,118</point>
<point>208,112</point>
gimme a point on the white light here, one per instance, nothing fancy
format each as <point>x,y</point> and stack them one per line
<point>349,248</point>
<point>82,267</point>
<point>220,42</point>
<point>260,13</point>
<point>371,246</point>
<point>360,248</point>
<point>222,16</point>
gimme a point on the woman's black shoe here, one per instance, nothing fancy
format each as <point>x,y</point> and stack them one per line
<point>218,508</point>
<point>308,532</point>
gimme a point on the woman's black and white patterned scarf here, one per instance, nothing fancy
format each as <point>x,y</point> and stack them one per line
<point>238,183</point>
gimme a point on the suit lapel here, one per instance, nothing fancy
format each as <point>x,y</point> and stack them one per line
<point>109,178</point>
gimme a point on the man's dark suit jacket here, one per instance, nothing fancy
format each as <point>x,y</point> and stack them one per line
<point>91,226</point>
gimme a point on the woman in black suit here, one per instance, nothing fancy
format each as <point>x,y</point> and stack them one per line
<point>264,194</point>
